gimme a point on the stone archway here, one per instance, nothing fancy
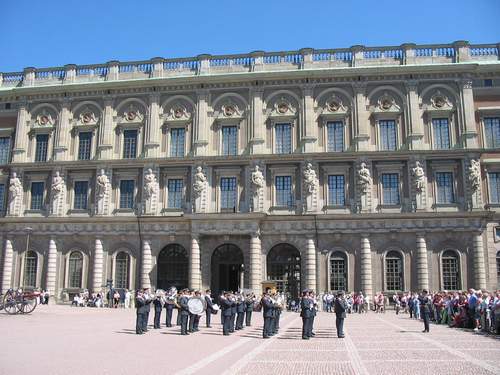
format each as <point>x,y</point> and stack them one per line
<point>173,267</point>
<point>283,266</point>
<point>227,268</point>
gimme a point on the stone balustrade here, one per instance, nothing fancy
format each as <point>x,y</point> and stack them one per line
<point>259,61</point>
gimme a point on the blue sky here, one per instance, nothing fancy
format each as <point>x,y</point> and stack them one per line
<point>43,33</point>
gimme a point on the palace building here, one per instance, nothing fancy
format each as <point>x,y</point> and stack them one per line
<point>359,169</point>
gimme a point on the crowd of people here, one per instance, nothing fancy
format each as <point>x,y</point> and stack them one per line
<point>113,298</point>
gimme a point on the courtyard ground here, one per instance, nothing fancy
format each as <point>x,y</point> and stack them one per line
<point>67,340</point>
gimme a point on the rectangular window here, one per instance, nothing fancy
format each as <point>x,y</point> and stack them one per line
<point>444,186</point>
<point>492,131</point>
<point>390,189</point>
<point>283,134</point>
<point>229,140</point>
<point>175,187</point>
<point>129,144</point>
<point>441,131</point>
<point>387,135</point>
<point>84,145</point>
<point>336,190</point>
<point>81,195</point>
<point>37,189</point>
<point>284,197</point>
<point>335,131</point>
<point>42,145</point>
<point>494,181</point>
<point>177,142</point>
<point>127,194</point>
<point>4,150</point>
<point>228,193</point>
<point>2,199</point>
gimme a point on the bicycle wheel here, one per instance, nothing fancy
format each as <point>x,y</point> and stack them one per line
<point>10,305</point>
<point>27,305</point>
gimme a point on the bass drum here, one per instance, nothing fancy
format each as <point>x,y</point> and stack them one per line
<point>197,305</point>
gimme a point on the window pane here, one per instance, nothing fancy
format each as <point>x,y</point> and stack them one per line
<point>387,135</point>
<point>81,191</point>
<point>450,271</point>
<point>42,144</point>
<point>177,142</point>
<point>75,270</point>
<point>283,134</point>
<point>394,271</point>
<point>84,146</point>
<point>2,199</point>
<point>441,133</point>
<point>127,193</point>
<point>228,193</point>
<point>37,189</point>
<point>121,270</point>
<point>335,131</point>
<point>284,197</point>
<point>494,181</point>
<point>390,189</point>
<point>175,187</point>
<point>229,140</point>
<point>4,150</point>
<point>336,190</point>
<point>492,131</point>
<point>30,266</point>
<point>130,144</point>
<point>338,273</point>
<point>444,182</point>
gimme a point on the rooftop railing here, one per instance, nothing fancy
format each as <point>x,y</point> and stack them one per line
<point>259,61</point>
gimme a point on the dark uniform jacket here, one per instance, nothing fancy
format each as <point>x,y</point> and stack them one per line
<point>183,303</point>
<point>306,308</point>
<point>225,306</point>
<point>210,305</point>
<point>340,307</point>
<point>424,303</point>
<point>240,307</point>
<point>267,307</point>
<point>249,305</point>
<point>140,305</point>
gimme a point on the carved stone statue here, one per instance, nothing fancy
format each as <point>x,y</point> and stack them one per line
<point>419,175</point>
<point>310,179</point>
<point>102,188</point>
<point>15,195</point>
<point>58,185</point>
<point>257,178</point>
<point>474,174</point>
<point>364,177</point>
<point>150,184</point>
<point>200,182</point>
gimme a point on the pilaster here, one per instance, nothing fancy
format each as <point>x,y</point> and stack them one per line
<point>105,145</point>
<point>62,133</point>
<point>310,263</point>
<point>470,136</point>
<point>366,267</point>
<point>19,154</point>
<point>255,263</point>
<point>421,263</point>
<point>8,260</point>
<point>257,124</point>
<point>146,264</point>
<point>415,124</point>
<point>98,265</point>
<point>201,127</point>
<point>309,128</point>
<point>360,118</point>
<point>194,263</point>
<point>152,141</point>
<point>478,262</point>
<point>52,267</point>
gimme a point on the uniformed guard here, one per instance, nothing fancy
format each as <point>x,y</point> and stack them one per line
<point>340,307</point>
<point>140,305</point>
<point>267,313</point>
<point>249,302</point>
<point>158,306</point>
<point>425,309</point>
<point>148,298</point>
<point>184,312</point>
<point>225,305</point>
<point>312,296</point>
<point>306,311</point>
<point>170,303</point>
<point>210,307</point>
<point>240,311</point>
<point>194,319</point>
<point>233,313</point>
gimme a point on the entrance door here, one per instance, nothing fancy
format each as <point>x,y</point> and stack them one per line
<point>227,262</point>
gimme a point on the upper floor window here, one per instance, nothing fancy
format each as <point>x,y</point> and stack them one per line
<point>390,189</point>
<point>228,193</point>
<point>37,190</point>
<point>229,140</point>
<point>441,132</point>
<point>387,135</point>
<point>175,187</point>
<point>444,188</point>
<point>84,145</point>
<point>336,190</point>
<point>2,199</point>
<point>4,150</point>
<point>127,194</point>
<point>177,142</point>
<point>492,131</point>
<point>335,132</point>
<point>129,144</point>
<point>284,196</point>
<point>41,148</point>
<point>81,195</point>
<point>494,187</point>
<point>283,134</point>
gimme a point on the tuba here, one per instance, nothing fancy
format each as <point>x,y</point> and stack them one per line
<point>171,295</point>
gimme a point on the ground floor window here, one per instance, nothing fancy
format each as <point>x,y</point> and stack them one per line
<point>338,271</point>
<point>450,270</point>
<point>283,266</point>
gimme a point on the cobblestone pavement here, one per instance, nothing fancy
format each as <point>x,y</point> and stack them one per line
<point>63,340</point>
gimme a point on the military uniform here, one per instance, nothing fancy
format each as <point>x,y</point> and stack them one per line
<point>226,306</point>
<point>248,312</point>
<point>267,313</point>
<point>140,304</point>
<point>340,307</point>
<point>184,314</point>
<point>158,307</point>
<point>425,310</point>
<point>240,311</point>
<point>169,309</point>
<point>306,312</point>
<point>209,310</point>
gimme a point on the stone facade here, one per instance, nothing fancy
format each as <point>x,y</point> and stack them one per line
<point>335,178</point>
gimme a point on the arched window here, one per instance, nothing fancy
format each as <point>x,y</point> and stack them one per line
<point>338,271</point>
<point>75,270</point>
<point>122,270</point>
<point>173,267</point>
<point>451,270</point>
<point>498,269</point>
<point>30,268</point>
<point>393,271</point>
<point>283,266</point>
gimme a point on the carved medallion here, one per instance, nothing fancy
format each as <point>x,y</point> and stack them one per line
<point>333,106</point>
<point>229,110</point>
<point>283,108</point>
<point>43,120</point>
<point>131,115</point>
<point>179,112</point>
<point>87,117</point>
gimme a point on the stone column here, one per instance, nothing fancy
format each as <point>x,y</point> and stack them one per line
<point>422,264</point>
<point>201,125</point>
<point>360,118</point>
<point>62,134</point>
<point>478,262</point>
<point>8,259</point>
<point>105,143</point>
<point>366,267</point>
<point>309,128</point>
<point>21,139</point>
<point>146,264</point>
<point>414,117</point>
<point>255,278</point>
<point>468,114</point>
<point>310,263</point>
<point>52,267</point>
<point>98,265</point>
<point>152,143</point>
<point>257,125</point>
<point>194,263</point>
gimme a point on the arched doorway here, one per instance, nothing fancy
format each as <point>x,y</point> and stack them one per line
<point>227,268</point>
<point>283,266</point>
<point>172,267</point>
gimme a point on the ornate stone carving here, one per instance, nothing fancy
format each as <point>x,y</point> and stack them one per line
<point>364,184</point>
<point>474,175</point>
<point>58,194</point>
<point>420,186</point>
<point>150,191</point>
<point>15,195</point>
<point>440,101</point>
<point>200,183</point>
<point>132,114</point>
<point>102,193</point>
<point>257,185</point>
<point>310,183</point>
<point>418,176</point>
